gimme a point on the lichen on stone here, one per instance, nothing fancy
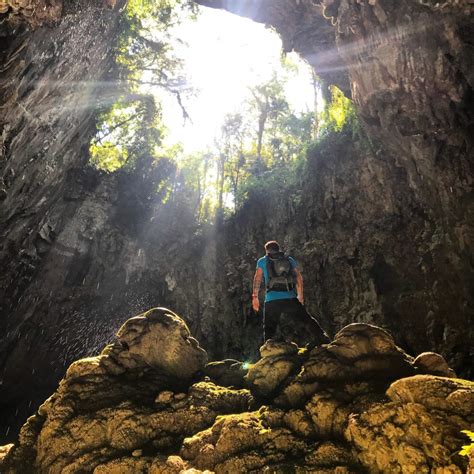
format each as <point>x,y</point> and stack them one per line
<point>154,410</point>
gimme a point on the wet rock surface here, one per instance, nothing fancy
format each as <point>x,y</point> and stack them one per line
<point>65,249</point>
<point>150,416</point>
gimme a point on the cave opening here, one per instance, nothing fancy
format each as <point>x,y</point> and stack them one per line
<point>214,94</point>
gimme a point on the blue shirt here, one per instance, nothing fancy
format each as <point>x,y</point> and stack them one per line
<point>275,295</point>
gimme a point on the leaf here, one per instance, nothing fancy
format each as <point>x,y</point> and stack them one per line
<point>466,450</point>
<point>470,434</point>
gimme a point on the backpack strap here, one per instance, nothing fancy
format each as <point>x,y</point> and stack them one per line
<point>270,272</point>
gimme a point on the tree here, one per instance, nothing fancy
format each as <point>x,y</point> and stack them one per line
<point>316,88</point>
<point>269,102</point>
<point>194,169</point>
<point>231,154</point>
<point>146,54</point>
<point>128,132</point>
<point>130,129</point>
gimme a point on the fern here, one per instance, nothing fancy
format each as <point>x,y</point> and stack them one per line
<point>468,448</point>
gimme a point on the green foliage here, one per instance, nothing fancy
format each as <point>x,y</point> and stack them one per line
<point>339,112</point>
<point>468,449</point>
<point>260,151</point>
<point>282,183</point>
<point>269,104</point>
<point>107,156</point>
<point>145,54</point>
<point>339,118</point>
<point>289,138</point>
<point>195,174</point>
<point>130,130</point>
<point>269,97</point>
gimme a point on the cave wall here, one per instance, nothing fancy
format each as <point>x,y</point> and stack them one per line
<point>51,208</point>
<point>367,251</point>
<point>384,231</point>
<point>410,69</point>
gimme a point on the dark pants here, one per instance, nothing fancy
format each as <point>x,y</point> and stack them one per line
<point>298,318</point>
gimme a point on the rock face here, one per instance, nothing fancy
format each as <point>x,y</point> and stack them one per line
<point>384,230</point>
<point>136,408</point>
<point>64,247</point>
<point>409,66</point>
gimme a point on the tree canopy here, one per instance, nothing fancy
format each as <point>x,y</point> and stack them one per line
<point>131,129</point>
<point>259,149</point>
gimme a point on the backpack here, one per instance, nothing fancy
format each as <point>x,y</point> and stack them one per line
<point>280,273</point>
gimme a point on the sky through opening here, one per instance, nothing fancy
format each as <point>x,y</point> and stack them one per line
<point>224,55</point>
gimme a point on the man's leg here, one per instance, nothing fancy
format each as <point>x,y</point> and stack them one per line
<point>271,317</point>
<point>317,332</point>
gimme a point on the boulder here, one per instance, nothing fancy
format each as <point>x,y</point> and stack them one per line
<point>137,393</point>
<point>267,440</point>
<point>333,456</point>
<point>435,393</point>
<point>433,364</point>
<point>279,361</point>
<point>359,339</point>
<point>159,339</point>
<point>4,450</point>
<point>149,464</point>
<point>228,372</point>
<point>418,430</point>
<point>328,414</point>
<point>240,443</point>
<point>276,348</point>
<point>296,393</point>
<point>358,352</point>
<point>69,439</point>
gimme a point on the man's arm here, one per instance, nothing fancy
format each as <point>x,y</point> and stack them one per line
<point>257,281</point>
<point>299,286</point>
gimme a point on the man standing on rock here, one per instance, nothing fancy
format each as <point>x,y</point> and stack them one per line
<point>284,294</point>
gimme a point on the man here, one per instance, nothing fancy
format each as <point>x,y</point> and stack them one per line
<point>284,294</point>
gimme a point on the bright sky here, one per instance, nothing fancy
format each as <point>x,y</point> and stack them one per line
<point>224,55</point>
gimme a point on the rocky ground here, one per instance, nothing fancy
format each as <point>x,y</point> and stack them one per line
<point>384,233</point>
<point>150,402</point>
